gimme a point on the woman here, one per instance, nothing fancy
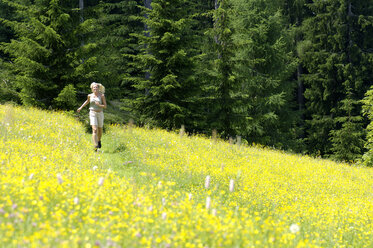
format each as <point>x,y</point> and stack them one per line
<point>97,103</point>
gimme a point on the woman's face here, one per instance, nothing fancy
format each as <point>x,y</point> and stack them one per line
<point>95,88</point>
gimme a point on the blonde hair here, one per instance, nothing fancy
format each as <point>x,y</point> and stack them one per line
<point>101,88</point>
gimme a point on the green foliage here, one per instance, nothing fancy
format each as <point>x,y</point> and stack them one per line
<point>41,54</point>
<point>368,112</point>
<point>6,33</point>
<point>163,98</point>
<point>348,140</point>
<point>335,53</point>
<point>115,21</point>
<point>7,94</point>
<point>66,100</point>
<point>8,91</point>
<point>223,85</point>
<point>264,65</point>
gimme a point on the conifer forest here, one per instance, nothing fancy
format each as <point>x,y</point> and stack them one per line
<point>294,75</point>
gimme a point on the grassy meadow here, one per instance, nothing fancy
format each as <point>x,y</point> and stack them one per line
<point>152,188</point>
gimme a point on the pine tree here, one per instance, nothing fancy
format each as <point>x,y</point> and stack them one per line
<point>164,98</point>
<point>348,141</point>
<point>336,55</point>
<point>264,65</point>
<point>6,12</point>
<point>205,101</point>
<point>295,11</point>
<point>115,22</point>
<point>41,53</point>
<point>7,88</point>
<point>367,108</point>
<point>222,86</point>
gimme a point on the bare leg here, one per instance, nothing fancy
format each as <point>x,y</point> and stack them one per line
<point>99,133</point>
<point>94,135</point>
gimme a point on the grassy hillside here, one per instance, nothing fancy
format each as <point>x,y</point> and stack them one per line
<point>151,188</point>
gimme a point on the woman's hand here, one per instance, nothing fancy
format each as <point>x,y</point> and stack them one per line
<point>85,103</point>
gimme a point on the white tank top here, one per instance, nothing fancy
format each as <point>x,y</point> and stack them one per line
<point>92,105</point>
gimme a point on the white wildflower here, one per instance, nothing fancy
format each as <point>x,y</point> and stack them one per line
<point>101,181</point>
<point>59,178</point>
<point>213,212</point>
<point>294,228</point>
<point>208,202</point>
<point>190,196</point>
<point>207,182</point>
<point>231,185</point>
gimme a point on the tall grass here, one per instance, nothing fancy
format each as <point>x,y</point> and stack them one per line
<point>152,188</point>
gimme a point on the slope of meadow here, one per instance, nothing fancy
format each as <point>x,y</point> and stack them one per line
<point>152,188</point>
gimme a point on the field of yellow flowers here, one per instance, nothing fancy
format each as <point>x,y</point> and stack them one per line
<point>152,188</point>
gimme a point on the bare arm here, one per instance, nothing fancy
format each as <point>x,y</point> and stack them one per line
<point>84,104</point>
<point>104,101</point>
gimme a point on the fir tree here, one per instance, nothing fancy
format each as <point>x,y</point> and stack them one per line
<point>41,53</point>
<point>264,65</point>
<point>116,21</point>
<point>336,55</point>
<point>222,86</point>
<point>7,87</point>
<point>367,109</point>
<point>295,11</point>
<point>347,141</point>
<point>206,107</point>
<point>165,97</point>
<point>7,13</point>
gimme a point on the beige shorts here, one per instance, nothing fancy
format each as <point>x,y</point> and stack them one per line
<point>96,118</point>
